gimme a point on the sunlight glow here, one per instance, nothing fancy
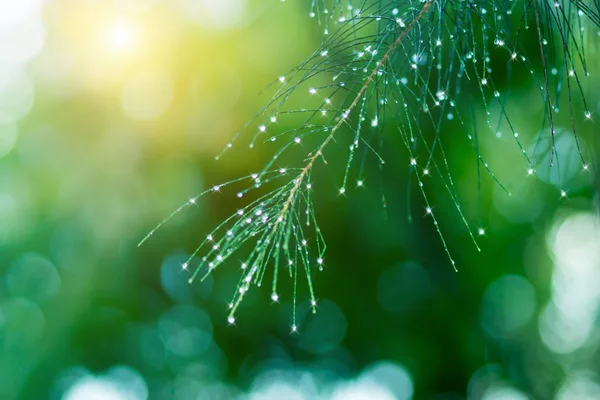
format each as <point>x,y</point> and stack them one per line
<point>121,36</point>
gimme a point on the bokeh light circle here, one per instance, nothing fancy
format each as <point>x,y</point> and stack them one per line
<point>508,304</point>
<point>186,331</point>
<point>324,330</point>
<point>16,93</point>
<point>34,277</point>
<point>8,134</point>
<point>391,375</point>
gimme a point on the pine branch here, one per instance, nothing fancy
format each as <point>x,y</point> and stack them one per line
<point>434,53</point>
<point>360,94</point>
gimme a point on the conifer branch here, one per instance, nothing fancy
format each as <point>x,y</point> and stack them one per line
<point>359,95</point>
<point>434,53</point>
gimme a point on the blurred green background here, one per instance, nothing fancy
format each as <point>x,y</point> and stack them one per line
<point>111,113</point>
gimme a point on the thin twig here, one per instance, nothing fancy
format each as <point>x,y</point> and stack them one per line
<point>361,92</point>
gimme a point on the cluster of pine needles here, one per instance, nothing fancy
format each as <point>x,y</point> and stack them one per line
<point>403,63</point>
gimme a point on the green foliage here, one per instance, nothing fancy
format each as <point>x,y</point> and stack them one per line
<point>393,72</point>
